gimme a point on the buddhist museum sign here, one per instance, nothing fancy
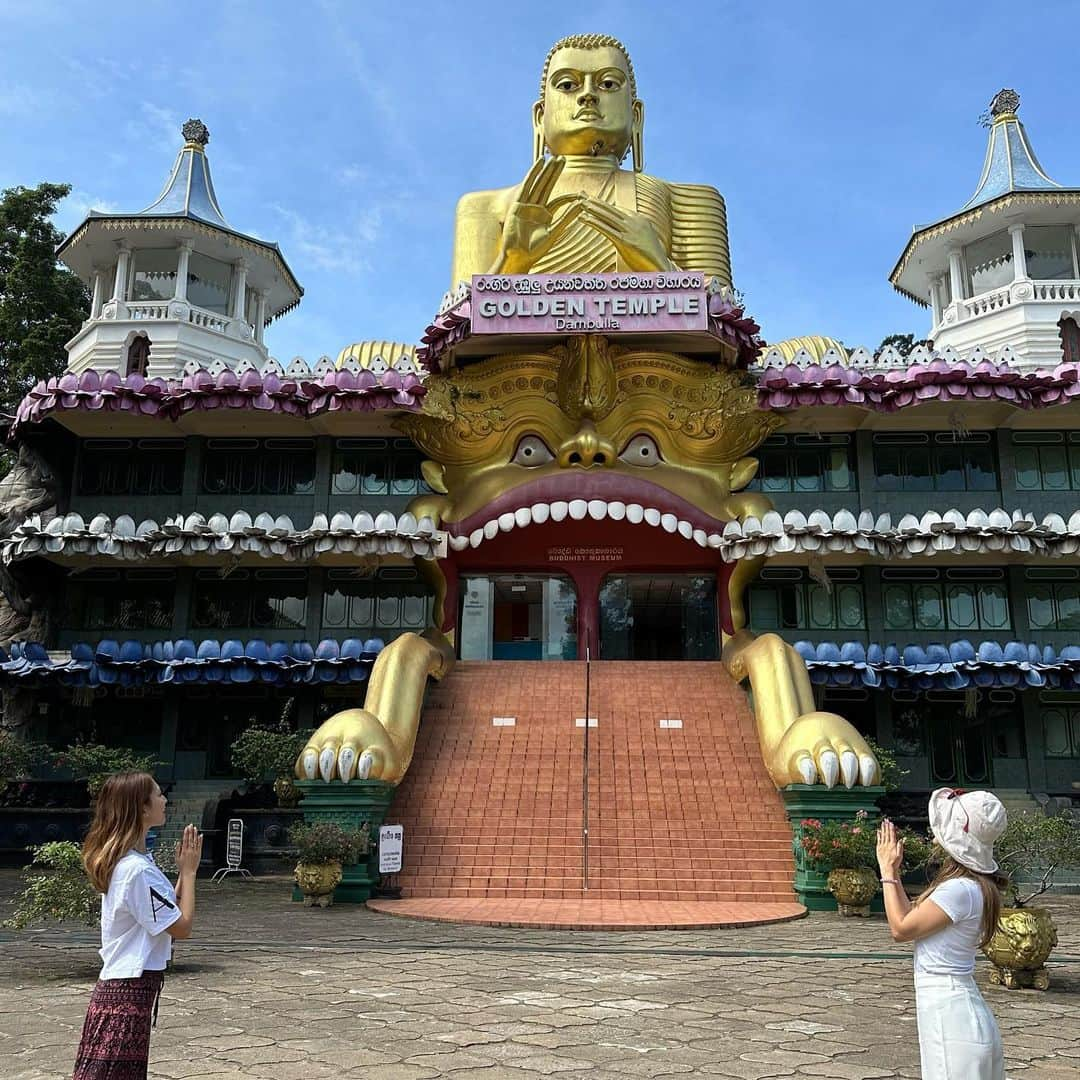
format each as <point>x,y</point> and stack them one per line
<point>661,301</point>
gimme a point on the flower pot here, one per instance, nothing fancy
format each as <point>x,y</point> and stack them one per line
<point>1018,950</point>
<point>288,794</point>
<point>853,889</point>
<point>317,882</point>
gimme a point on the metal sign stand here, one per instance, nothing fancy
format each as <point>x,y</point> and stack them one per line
<point>234,851</point>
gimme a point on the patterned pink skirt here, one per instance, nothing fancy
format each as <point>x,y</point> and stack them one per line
<point>115,1041</point>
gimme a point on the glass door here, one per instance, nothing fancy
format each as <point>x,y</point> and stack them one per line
<point>518,617</point>
<point>658,617</point>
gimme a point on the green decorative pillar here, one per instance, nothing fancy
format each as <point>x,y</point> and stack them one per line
<point>350,805</point>
<point>803,801</point>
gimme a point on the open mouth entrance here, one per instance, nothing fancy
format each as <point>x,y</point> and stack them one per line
<point>668,616</point>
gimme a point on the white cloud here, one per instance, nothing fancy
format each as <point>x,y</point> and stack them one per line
<point>325,248</point>
<point>76,206</point>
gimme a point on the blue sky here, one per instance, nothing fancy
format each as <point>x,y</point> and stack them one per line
<point>347,131</point>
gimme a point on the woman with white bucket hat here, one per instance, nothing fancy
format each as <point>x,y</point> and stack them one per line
<point>958,1036</point>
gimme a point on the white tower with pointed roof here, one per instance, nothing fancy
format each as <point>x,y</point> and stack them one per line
<point>175,283</point>
<point>1003,270</point>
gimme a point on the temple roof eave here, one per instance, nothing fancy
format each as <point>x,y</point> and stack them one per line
<point>81,250</point>
<point>962,227</point>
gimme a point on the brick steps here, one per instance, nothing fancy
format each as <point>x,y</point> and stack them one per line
<point>676,814</point>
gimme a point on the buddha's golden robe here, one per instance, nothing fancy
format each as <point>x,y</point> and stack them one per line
<point>690,219</point>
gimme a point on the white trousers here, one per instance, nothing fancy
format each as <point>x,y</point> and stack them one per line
<point>958,1036</point>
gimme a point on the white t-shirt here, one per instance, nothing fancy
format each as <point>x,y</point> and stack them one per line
<point>135,913</point>
<point>951,951</point>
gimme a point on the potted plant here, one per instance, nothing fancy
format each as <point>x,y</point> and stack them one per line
<point>847,850</point>
<point>1031,850</point>
<point>57,888</point>
<point>323,847</point>
<point>261,752</point>
<point>95,763</point>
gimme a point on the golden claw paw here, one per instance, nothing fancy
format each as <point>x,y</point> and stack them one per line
<point>822,747</point>
<point>352,744</point>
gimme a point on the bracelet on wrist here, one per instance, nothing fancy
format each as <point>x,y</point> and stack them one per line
<point>890,881</point>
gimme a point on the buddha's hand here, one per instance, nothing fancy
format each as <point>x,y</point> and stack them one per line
<point>633,235</point>
<point>531,228</point>
<point>353,744</point>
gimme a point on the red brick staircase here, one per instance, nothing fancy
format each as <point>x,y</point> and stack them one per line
<point>676,813</point>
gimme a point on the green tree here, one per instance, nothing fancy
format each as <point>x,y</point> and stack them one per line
<point>42,304</point>
<point>902,343</point>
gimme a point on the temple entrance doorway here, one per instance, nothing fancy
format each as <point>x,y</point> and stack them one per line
<point>518,617</point>
<point>659,617</point>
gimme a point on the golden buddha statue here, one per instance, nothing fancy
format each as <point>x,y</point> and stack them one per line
<point>579,211</point>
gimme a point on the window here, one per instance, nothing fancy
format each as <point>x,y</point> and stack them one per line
<point>805,463</point>
<point>130,467</point>
<point>989,263</point>
<point>1047,460</point>
<point>1048,252</point>
<point>377,467</point>
<point>1053,598</point>
<point>382,607</point>
<point>154,275</point>
<point>1060,715</point>
<point>1070,341</point>
<point>113,601</point>
<point>786,599</point>
<point>972,599</point>
<point>264,599</point>
<point>209,283</point>
<point>908,723</point>
<point>938,461</point>
<point>259,467</point>
<point>138,355</point>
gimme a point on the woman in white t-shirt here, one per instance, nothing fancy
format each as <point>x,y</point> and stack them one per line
<point>141,913</point>
<point>956,915</point>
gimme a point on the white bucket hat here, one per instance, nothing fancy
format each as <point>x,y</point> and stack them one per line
<point>966,824</point>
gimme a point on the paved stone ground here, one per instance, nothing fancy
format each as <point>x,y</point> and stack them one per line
<point>273,990</point>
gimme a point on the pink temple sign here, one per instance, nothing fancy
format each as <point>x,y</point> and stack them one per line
<point>662,302</point>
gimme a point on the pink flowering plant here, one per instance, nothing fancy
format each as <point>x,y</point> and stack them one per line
<point>840,845</point>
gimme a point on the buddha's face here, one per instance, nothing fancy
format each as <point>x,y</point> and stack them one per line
<point>588,107</point>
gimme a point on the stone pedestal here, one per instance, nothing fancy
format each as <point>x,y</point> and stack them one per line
<point>350,806</point>
<point>826,804</point>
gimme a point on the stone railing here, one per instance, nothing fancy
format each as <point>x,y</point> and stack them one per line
<point>148,309</point>
<point>986,302</point>
<point>208,320</point>
<point>1057,290</point>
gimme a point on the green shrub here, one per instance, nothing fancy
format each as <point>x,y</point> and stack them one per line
<point>840,845</point>
<point>891,773</point>
<point>261,752</point>
<point>326,841</point>
<point>1036,846</point>
<point>95,763</point>
<point>57,888</point>
<point>17,757</point>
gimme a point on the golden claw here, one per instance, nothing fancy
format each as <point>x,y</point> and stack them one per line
<point>800,744</point>
<point>377,741</point>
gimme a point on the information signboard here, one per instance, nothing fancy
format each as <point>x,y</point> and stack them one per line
<point>661,302</point>
<point>391,841</point>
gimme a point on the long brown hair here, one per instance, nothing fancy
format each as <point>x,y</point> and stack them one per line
<point>992,887</point>
<point>117,826</point>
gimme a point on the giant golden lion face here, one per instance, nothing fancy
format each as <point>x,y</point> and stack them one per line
<point>586,429</point>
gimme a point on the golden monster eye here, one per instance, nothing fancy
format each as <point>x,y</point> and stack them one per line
<point>532,451</point>
<point>641,450</point>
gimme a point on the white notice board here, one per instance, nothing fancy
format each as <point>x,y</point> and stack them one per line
<point>391,839</point>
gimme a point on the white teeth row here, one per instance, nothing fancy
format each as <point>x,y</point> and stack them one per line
<point>579,510</point>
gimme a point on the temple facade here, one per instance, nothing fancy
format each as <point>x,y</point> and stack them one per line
<point>196,534</point>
